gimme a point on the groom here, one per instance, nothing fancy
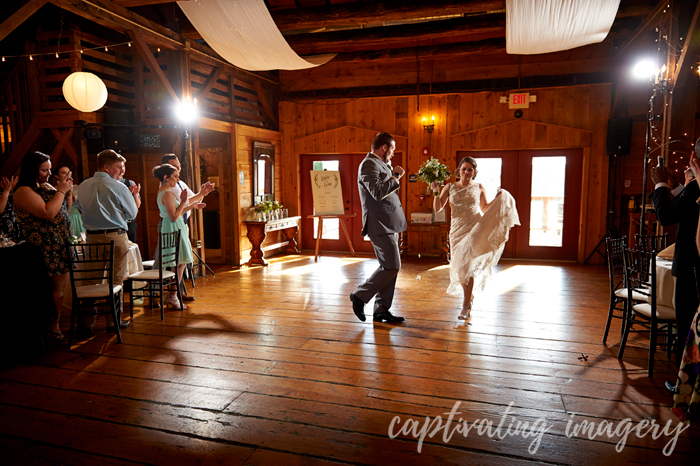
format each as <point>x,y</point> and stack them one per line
<point>382,220</point>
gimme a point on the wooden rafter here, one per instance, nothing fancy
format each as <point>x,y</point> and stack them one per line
<point>64,143</point>
<point>486,46</point>
<point>371,12</point>
<point>211,80</point>
<point>643,26</point>
<point>135,3</point>
<point>384,37</point>
<point>689,43</point>
<point>20,16</point>
<point>263,100</point>
<point>151,62</point>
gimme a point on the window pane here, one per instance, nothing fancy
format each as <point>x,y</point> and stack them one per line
<point>489,175</point>
<point>547,201</point>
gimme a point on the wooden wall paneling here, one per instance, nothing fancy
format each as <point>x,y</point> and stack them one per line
<point>144,219</point>
<point>235,244</point>
<point>413,156</point>
<point>341,139</point>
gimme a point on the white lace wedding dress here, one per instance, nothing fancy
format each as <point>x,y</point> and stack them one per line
<point>476,240</point>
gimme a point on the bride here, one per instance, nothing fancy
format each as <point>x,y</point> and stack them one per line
<point>478,231</point>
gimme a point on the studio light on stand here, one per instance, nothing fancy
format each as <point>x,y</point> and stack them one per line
<point>186,114</point>
<point>646,69</point>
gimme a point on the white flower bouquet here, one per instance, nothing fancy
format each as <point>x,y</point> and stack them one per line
<point>434,173</point>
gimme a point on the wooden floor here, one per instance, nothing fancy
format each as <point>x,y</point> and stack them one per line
<point>270,366</point>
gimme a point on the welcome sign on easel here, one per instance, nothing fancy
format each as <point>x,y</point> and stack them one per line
<point>327,192</point>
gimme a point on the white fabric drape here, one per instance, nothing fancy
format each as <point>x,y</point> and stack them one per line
<point>244,34</point>
<point>543,26</point>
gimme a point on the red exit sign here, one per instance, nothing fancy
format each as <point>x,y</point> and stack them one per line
<point>520,100</point>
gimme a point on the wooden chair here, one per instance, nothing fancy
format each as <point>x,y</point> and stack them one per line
<point>644,314</point>
<point>159,278</point>
<point>651,243</point>
<point>90,263</point>
<point>618,290</point>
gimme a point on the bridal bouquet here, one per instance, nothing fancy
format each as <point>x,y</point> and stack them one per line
<point>433,171</point>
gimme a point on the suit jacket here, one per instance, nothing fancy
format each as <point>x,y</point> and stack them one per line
<point>684,211</point>
<point>381,208</point>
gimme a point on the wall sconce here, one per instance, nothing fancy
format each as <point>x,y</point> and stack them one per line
<point>429,126</point>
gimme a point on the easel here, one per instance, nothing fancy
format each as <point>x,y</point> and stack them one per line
<point>319,233</point>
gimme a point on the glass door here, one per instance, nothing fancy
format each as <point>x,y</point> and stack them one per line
<point>546,185</point>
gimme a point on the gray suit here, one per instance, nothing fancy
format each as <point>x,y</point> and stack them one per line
<point>382,220</point>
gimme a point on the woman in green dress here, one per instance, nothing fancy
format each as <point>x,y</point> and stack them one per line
<point>172,210</point>
<point>76,220</point>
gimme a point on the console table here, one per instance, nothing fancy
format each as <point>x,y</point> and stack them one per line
<point>257,232</point>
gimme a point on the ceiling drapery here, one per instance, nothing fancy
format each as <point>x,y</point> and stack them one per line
<point>244,34</point>
<point>543,26</point>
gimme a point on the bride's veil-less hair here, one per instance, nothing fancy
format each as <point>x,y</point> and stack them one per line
<point>469,160</point>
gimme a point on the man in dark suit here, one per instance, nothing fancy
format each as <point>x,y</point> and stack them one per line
<point>382,220</point>
<point>682,210</point>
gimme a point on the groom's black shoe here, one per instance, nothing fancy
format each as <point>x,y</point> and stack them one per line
<point>671,387</point>
<point>358,307</point>
<point>388,317</point>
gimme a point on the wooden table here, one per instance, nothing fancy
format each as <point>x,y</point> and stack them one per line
<point>319,233</point>
<point>257,232</point>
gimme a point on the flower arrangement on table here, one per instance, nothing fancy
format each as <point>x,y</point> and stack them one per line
<point>434,173</point>
<point>268,207</point>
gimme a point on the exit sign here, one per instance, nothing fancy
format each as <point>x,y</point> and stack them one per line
<point>521,100</point>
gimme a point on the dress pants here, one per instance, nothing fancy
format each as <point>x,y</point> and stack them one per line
<point>382,282</point>
<point>121,252</point>
<point>686,302</point>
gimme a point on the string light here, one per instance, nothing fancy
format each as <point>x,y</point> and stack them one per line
<point>56,54</point>
<point>158,50</point>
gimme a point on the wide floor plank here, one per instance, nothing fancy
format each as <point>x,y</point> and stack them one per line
<point>270,366</point>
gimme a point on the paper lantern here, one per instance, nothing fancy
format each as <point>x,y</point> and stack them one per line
<point>85,91</point>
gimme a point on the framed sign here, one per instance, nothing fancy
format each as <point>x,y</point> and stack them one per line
<point>327,192</point>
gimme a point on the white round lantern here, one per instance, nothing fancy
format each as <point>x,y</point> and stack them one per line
<point>85,91</point>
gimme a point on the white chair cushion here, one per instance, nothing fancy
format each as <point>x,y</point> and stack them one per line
<point>95,291</point>
<point>622,293</point>
<point>148,264</point>
<point>150,275</point>
<point>662,312</point>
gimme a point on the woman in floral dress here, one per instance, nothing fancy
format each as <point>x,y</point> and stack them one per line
<point>43,216</point>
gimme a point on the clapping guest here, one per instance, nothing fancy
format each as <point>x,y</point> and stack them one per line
<point>44,217</point>
<point>134,188</point>
<point>76,222</point>
<point>172,210</point>
<point>8,220</point>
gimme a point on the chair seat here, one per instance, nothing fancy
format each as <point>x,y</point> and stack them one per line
<point>662,312</point>
<point>622,293</point>
<point>148,264</point>
<point>151,275</point>
<point>96,291</point>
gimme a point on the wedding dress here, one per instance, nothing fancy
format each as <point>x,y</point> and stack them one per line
<point>476,240</point>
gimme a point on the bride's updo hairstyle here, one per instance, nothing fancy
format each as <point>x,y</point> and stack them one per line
<point>161,171</point>
<point>471,161</point>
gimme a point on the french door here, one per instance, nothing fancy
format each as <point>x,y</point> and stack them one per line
<point>333,239</point>
<point>546,185</point>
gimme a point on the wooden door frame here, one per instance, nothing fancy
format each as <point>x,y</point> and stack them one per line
<point>342,140</point>
<point>530,135</point>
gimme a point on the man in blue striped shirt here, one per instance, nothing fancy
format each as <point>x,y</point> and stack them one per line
<point>108,206</point>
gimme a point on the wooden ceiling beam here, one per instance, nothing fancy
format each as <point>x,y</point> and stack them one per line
<point>689,43</point>
<point>372,12</point>
<point>113,16</point>
<point>20,16</point>
<point>151,62</point>
<point>646,22</point>
<point>383,37</point>
<point>137,3</point>
<point>487,46</point>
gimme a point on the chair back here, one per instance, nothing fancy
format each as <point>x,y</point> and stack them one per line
<point>90,262</point>
<point>614,249</point>
<point>169,249</point>
<point>652,243</point>
<point>640,274</point>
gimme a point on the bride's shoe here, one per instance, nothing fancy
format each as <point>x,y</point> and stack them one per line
<point>464,315</point>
